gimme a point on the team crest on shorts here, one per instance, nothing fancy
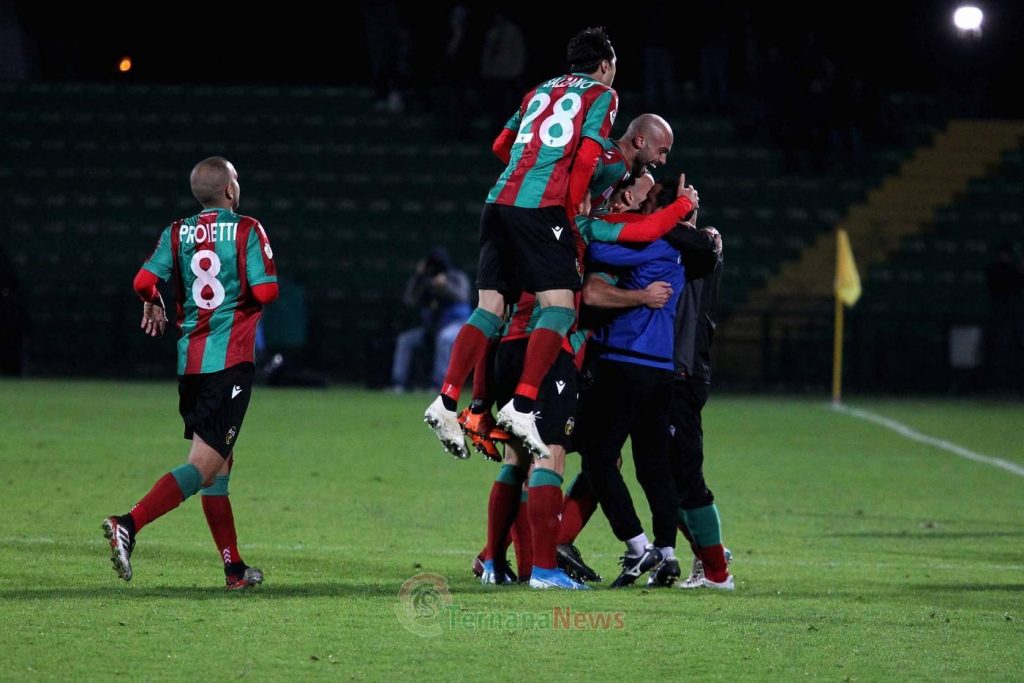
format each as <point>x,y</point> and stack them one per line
<point>231,436</point>
<point>570,424</point>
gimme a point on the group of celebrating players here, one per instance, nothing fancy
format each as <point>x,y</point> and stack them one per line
<point>590,330</point>
<point>578,357</point>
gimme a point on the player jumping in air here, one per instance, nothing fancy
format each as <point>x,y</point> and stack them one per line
<point>527,238</point>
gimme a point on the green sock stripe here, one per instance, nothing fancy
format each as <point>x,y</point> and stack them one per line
<point>510,474</point>
<point>219,487</point>
<point>558,319</point>
<point>704,524</point>
<point>485,321</point>
<point>188,478</point>
<point>543,477</point>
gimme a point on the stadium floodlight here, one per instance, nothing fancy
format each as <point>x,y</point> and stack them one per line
<point>967,20</point>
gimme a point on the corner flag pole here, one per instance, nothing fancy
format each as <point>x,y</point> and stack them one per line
<point>837,355</point>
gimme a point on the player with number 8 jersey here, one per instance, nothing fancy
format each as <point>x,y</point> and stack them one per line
<point>222,268</point>
<point>216,257</point>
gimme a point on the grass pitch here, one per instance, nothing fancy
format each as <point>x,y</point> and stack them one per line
<point>859,554</point>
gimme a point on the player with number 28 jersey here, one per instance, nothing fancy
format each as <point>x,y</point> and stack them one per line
<point>550,147</point>
<point>548,127</point>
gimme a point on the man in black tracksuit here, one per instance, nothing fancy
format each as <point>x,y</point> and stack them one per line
<point>699,520</point>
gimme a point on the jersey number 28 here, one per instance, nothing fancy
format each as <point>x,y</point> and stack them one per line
<point>562,114</point>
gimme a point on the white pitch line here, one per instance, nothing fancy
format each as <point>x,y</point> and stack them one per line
<point>915,435</point>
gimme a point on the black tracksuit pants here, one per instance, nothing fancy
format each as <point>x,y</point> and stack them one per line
<point>686,443</point>
<point>630,400</point>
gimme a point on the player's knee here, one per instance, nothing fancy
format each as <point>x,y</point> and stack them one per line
<point>556,461</point>
<point>492,302</point>
<point>208,463</point>
<point>563,298</point>
<point>209,475</point>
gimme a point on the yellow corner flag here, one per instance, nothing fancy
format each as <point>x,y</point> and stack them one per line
<point>847,292</point>
<point>847,279</point>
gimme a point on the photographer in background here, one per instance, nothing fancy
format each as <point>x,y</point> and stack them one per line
<point>441,294</point>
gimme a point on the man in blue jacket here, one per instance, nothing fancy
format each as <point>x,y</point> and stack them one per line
<point>630,397</point>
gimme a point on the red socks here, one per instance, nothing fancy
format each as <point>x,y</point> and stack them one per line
<point>545,504</point>
<point>222,525</point>
<point>501,513</point>
<point>715,566</point>
<point>522,538</point>
<point>578,506</point>
<point>541,352</point>
<point>480,371</point>
<point>161,499</point>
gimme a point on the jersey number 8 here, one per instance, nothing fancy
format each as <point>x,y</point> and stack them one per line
<point>207,278</point>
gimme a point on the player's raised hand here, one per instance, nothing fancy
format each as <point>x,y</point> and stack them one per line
<point>687,191</point>
<point>154,319</point>
<point>690,220</point>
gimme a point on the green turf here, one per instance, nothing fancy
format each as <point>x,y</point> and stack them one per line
<point>858,554</point>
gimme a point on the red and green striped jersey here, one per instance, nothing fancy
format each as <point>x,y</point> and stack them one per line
<point>599,229</point>
<point>215,258</point>
<point>611,170</point>
<point>525,315</point>
<point>550,123</point>
<point>632,227</point>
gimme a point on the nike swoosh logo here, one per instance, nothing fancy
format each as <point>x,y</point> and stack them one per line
<point>236,391</point>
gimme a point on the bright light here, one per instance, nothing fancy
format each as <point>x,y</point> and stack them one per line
<point>968,18</point>
<point>125,65</point>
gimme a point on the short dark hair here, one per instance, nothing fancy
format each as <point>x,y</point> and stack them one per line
<point>626,183</point>
<point>665,190</point>
<point>588,49</point>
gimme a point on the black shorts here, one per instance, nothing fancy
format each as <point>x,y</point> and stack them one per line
<point>213,405</point>
<point>556,400</point>
<point>527,250</point>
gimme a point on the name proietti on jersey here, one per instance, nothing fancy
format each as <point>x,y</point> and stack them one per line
<point>208,232</point>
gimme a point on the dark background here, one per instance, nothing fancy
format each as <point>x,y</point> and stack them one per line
<point>896,46</point>
<point>345,173</point>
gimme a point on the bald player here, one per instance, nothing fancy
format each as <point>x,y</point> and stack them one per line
<point>223,274</point>
<point>643,147</point>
